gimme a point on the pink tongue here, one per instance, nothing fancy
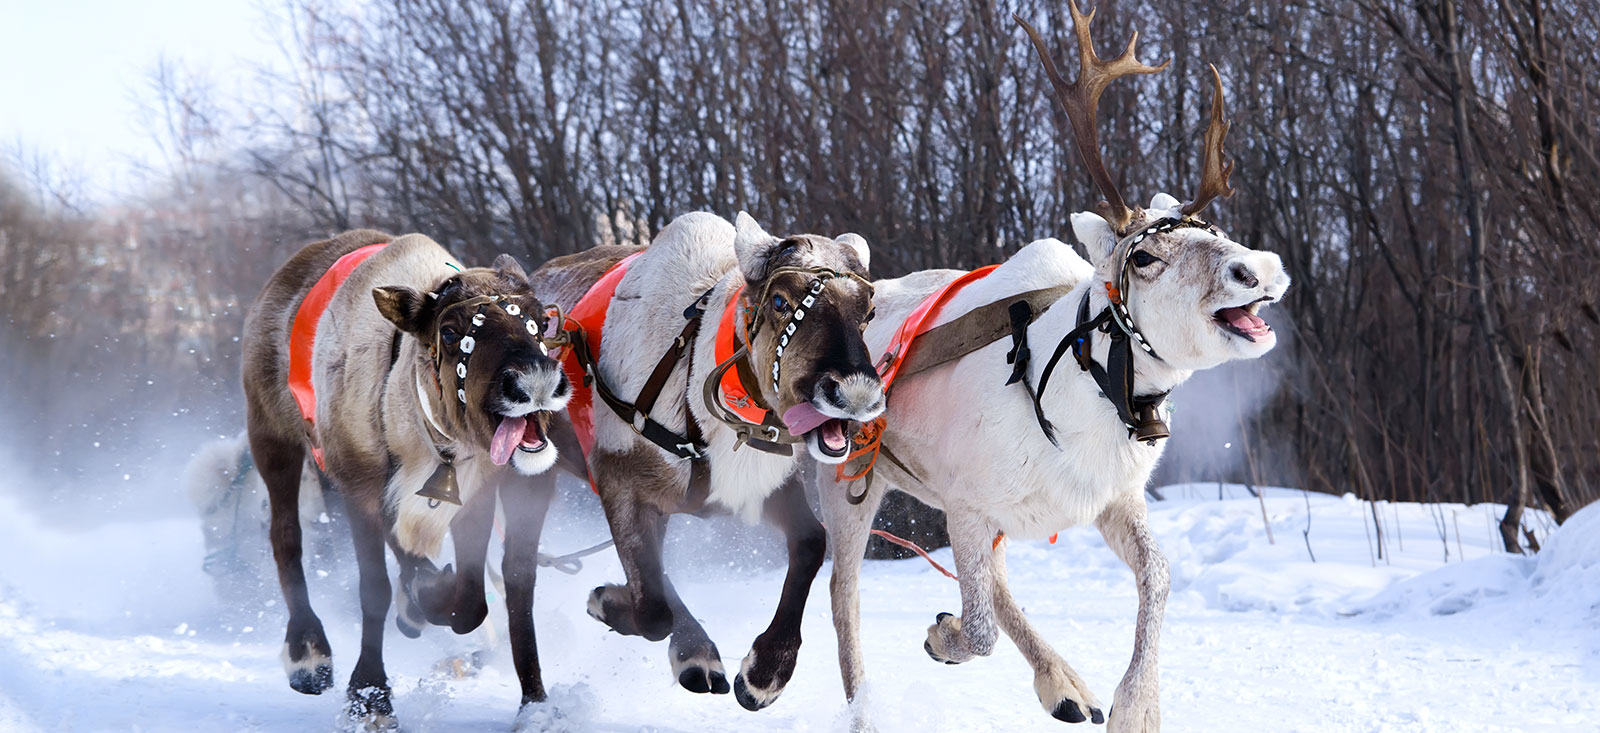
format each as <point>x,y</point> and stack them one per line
<point>1242,320</point>
<point>506,438</point>
<point>803,418</point>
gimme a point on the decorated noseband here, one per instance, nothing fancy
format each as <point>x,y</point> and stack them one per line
<point>819,281</point>
<point>469,342</point>
<point>1117,294</point>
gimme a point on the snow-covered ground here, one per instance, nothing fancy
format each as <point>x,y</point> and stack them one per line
<point>116,628</point>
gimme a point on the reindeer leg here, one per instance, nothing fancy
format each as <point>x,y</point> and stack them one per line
<point>526,506</point>
<point>415,571</point>
<point>454,597</point>
<point>307,657</point>
<point>1061,691</point>
<point>642,607</point>
<point>849,527</point>
<point>1136,706</point>
<point>369,696</point>
<point>953,639</point>
<point>770,663</point>
<point>696,663</point>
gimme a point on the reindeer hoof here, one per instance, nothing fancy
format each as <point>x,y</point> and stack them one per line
<point>312,674</point>
<point>748,701</point>
<point>696,664</point>
<point>764,673</point>
<point>371,710</point>
<point>312,681</point>
<point>408,618</point>
<point>609,605</point>
<point>1068,710</point>
<point>701,680</point>
<point>944,642</point>
<point>927,647</point>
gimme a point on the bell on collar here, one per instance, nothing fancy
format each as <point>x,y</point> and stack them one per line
<point>441,486</point>
<point>1151,427</point>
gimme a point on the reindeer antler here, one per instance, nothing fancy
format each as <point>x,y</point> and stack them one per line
<point>1214,170</point>
<point>1081,100</point>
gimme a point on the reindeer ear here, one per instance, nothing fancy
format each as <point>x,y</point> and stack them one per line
<point>1095,234</point>
<point>1166,204</point>
<point>403,306</point>
<point>753,245</point>
<point>508,265</point>
<point>859,244</point>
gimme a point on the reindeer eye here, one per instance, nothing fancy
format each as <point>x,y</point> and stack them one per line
<point>449,335</point>
<point>780,303</point>
<point>1144,259</point>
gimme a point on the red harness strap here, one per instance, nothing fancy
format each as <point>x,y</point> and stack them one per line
<point>589,314</point>
<point>870,437</point>
<point>303,332</point>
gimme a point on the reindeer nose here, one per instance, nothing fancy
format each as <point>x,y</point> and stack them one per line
<point>831,391</point>
<point>511,389</point>
<point>1242,274</point>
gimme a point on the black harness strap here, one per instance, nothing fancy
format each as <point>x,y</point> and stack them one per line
<point>689,446</point>
<point>1140,414</point>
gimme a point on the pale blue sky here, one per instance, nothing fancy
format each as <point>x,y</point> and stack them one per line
<point>70,71</point>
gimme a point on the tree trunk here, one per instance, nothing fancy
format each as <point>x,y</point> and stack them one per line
<point>1488,333</point>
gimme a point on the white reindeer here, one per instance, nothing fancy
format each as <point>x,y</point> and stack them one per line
<point>964,440</point>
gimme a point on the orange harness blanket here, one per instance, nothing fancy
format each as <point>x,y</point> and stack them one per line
<point>303,332</point>
<point>731,389</point>
<point>589,313</point>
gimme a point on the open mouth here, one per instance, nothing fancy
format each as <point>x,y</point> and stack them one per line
<point>526,434</point>
<point>833,439</point>
<point>832,434</point>
<point>1243,322</point>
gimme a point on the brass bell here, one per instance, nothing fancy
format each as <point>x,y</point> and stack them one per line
<point>1151,427</point>
<point>441,486</point>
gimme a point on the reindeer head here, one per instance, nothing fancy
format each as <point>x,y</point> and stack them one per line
<point>498,387</point>
<point>810,300</point>
<point>1190,292</point>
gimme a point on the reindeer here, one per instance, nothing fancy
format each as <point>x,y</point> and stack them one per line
<point>795,306</point>
<point>413,389</point>
<point>1174,295</point>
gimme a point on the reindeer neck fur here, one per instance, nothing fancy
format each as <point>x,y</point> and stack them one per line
<point>1046,488</point>
<point>418,451</point>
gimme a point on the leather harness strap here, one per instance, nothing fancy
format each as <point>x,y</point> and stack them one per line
<point>976,329</point>
<point>637,414</point>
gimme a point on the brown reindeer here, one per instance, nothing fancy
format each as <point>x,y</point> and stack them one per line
<point>708,430</point>
<point>414,388</point>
